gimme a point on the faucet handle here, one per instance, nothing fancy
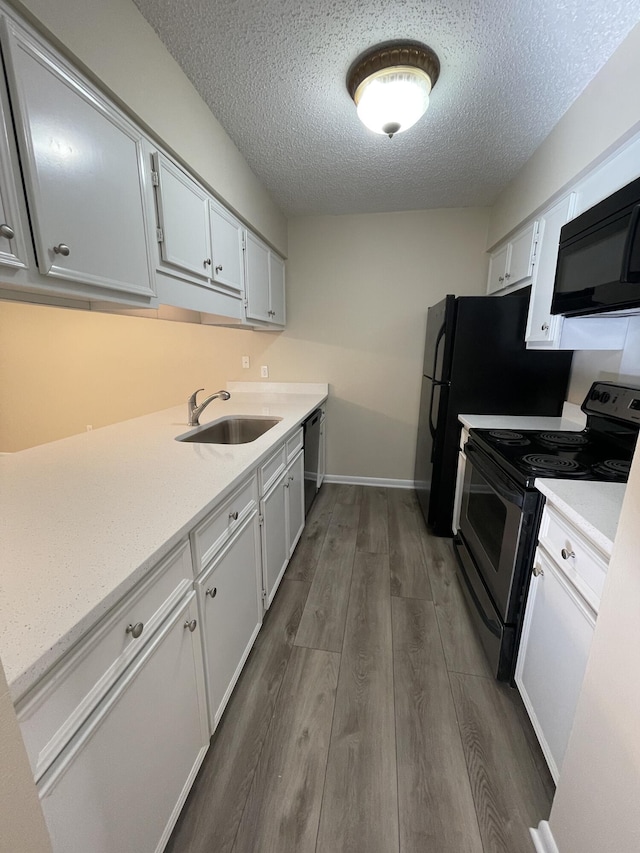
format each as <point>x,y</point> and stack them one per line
<point>192,398</point>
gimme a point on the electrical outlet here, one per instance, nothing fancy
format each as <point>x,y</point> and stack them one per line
<point>264,371</point>
<point>245,361</point>
<point>89,427</point>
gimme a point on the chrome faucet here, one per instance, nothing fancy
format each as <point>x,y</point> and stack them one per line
<point>195,411</point>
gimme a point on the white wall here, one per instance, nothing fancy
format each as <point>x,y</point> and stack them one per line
<point>597,804</point>
<point>114,42</point>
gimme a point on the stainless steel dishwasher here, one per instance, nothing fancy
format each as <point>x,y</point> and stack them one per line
<point>311,429</point>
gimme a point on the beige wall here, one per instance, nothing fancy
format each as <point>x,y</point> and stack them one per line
<point>22,826</point>
<point>606,111</point>
<point>358,289</point>
<point>115,43</point>
<point>596,807</point>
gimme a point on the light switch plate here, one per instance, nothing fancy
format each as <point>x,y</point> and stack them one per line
<point>245,361</point>
<point>264,371</point>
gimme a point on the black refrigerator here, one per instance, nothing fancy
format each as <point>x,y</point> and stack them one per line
<point>476,362</point>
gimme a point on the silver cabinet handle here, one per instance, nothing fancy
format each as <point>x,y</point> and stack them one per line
<point>135,630</point>
<point>219,268</point>
<point>212,591</point>
<point>567,554</point>
<point>191,625</point>
<point>544,327</point>
<point>500,278</point>
<point>507,275</point>
<point>233,516</point>
<point>7,232</point>
<point>207,262</point>
<point>290,478</point>
<point>62,249</point>
<point>537,571</point>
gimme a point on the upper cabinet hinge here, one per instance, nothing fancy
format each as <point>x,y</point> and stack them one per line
<point>261,519</point>
<point>155,179</point>
<point>244,242</point>
<point>159,235</point>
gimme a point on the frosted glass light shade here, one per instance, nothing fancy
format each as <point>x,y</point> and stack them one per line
<point>393,99</point>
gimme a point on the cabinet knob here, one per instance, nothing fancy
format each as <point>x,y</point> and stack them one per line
<point>219,268</point>
<point>507,275</point>
<point>537,571</point>
<point>7,232</point>
<point>566,555</point>
<point>62,249</point>
<point>207,262</point>
<point>286,485</point>
<point>233,516</point>
<point>191,625</point>
<point>545,327</point>
<point>500,278</point>
<point>290,478</point>
<point>212,591</point>
<point>135,630</point>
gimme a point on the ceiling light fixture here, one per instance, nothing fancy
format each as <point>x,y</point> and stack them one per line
<point>390,84</point>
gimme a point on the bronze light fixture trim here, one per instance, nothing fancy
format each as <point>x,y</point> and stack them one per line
<point>390,84</point>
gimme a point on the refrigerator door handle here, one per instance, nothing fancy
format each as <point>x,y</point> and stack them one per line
<point>432,429</point>
<point>439,340</point>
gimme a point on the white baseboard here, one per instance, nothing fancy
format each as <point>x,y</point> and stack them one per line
<point>543,839</point>
<point>369,481</point>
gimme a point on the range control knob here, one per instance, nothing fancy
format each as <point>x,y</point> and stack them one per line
<point>595,394</point>
<point>605,397</point>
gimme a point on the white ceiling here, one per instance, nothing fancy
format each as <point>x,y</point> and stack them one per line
<point>273,72</point>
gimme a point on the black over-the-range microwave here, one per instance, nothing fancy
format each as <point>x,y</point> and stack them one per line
<point>599,257</point>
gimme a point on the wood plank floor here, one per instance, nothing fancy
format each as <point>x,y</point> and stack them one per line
<point>366,720</point>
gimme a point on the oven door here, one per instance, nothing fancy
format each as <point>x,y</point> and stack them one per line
<point>491,523</point>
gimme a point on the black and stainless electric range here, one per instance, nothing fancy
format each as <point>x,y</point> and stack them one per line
<point>501,508</point>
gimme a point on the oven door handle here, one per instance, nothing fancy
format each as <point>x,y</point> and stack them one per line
<point>500,485</point>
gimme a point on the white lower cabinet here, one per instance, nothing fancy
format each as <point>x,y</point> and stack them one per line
<point>322,450</point>
<point>282,514</point>
<point>122,780</point>
<point>557,631</point>
<point>231,609</point>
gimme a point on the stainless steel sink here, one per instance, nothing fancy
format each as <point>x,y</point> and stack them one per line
<point>231,430</point>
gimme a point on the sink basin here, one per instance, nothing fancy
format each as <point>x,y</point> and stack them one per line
<point>231,430</point>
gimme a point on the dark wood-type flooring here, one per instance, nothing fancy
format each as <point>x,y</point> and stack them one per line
<point>366,720</point>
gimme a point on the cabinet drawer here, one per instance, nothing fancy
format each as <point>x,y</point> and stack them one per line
<point>216,529</point>
<point>294,444</point>
<point>585,567</point>
<point>271,470</point>
<point>52,712</point>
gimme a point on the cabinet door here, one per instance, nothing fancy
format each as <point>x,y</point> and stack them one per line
<point>123,779</point>
<point>541,325</point>
<point>295,501</point>
<point>521,255</point>
<point>12,238</point>
<point>227,251</point>
<point>83,170</point>
<point>275,547</point>
<point>231,607</point>
<point>257,279</point>
<point>497,269</point>
<point>276,289</point>
<point>183,219</point>
<point>556,637</point>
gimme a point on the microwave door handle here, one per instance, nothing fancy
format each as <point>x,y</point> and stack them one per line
<point>628,275</point>
<point>498,483</point>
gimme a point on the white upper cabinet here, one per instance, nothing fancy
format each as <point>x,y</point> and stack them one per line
<point>541,324</point>
<point>83,169</point>
<point>227,246</point>
<point>264,283</point>
<point>513,262</point>
<point>183,225</point>
<point>12,237</point>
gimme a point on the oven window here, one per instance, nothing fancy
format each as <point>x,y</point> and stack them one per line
<point>487,514</point>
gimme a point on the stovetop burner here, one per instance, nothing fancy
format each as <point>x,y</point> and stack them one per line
<point>505,434</point>
<point>566,439</point>
<point>543,462</point>
<point>613,467</point>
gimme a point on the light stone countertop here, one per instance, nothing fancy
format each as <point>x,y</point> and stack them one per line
<point>592,507</point>
<point>84,518</point>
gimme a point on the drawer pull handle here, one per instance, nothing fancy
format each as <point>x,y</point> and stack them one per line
<point>191,625</point>
<point>537,571</point>
<point>233,516</point>
<point>567,554</point>
<point>212,591</point>
<point>135,630</point>
<point>62,249</point>
<point>7,232</point>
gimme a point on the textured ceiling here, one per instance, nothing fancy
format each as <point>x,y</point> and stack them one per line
<point>273,72</point>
